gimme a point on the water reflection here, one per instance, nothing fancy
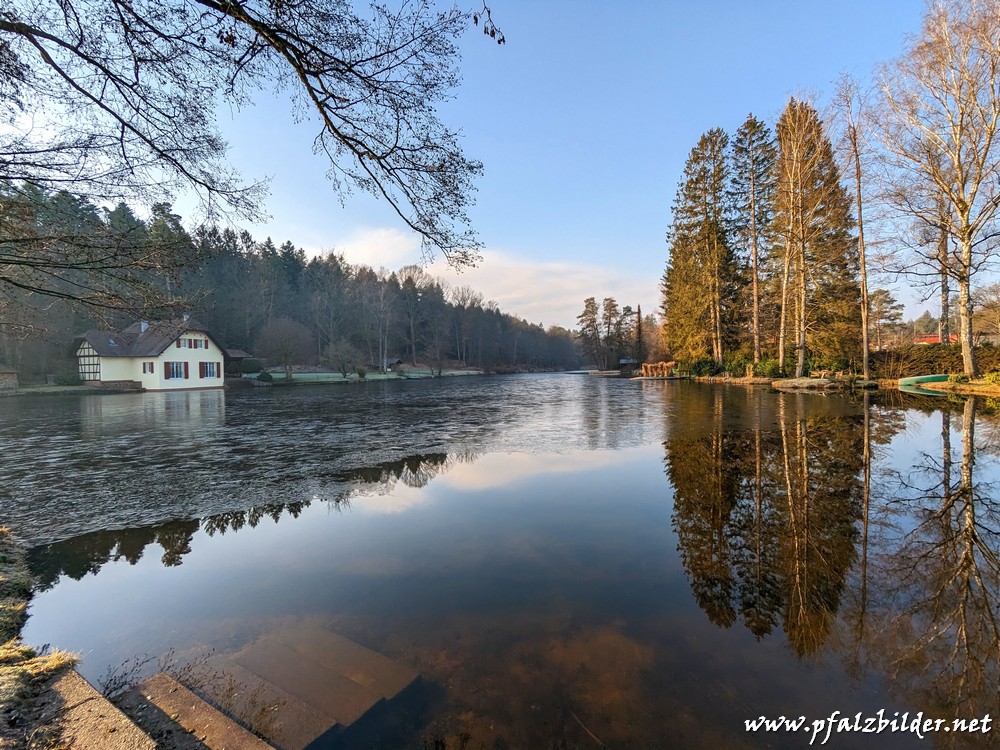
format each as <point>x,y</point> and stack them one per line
<point>937,574</point>
<point>790,513</point>
<point>122,461</point>
<point>86,554</point>
<point>765,510</point>
<point>523,550</point>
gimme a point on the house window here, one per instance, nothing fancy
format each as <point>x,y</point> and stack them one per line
<point>208,369</point>
<point>175,370</point>
<point>147,367</point>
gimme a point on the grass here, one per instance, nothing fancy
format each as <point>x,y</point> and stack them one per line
<point>24,672</point>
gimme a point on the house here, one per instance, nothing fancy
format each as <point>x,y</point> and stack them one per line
<point>153,356</point>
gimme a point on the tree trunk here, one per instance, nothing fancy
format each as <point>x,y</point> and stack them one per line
<point>866,373</point>
<point>944,323</point>
<point>965,315</point>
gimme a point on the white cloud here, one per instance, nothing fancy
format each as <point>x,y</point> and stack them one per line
<point>549,292</point>
<point>378,247</point>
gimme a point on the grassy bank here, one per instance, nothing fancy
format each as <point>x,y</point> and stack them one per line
<point>25,674</point>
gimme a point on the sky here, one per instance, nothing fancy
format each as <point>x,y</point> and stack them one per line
<point>583,121</point>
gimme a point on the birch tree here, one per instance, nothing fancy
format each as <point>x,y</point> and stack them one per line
<point>849,107</point>
<point>939,120</point>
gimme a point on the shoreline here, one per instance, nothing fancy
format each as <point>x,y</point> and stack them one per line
<point>26,676</point>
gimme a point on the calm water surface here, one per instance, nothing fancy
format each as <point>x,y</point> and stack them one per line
<point>567,561</point>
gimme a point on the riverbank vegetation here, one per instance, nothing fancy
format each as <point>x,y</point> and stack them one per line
<point>24,672</point>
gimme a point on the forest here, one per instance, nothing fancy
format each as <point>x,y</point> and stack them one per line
<point>269,300</point>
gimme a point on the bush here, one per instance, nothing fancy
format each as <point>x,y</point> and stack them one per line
<point>362,372</point>
<point>767,368</point>
<point>993,378</point>
<point>68,378</point>
<point>265,377</point>
<point>957,377</point>
<point>252,365</point>
<point>702,367</point>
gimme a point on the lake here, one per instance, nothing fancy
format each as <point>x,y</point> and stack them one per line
<point>567,561</point>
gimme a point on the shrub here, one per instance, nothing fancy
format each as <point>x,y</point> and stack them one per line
<point>702,367</point>
<point>767,368</point>
<point>957,377</point>
<point>265,377</point>
<point>362,372</point>
<point>252,365</point>
<point>993,378</point>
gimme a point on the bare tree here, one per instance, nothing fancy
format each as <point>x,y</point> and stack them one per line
<point>850,106</point>
<point>939,125</point>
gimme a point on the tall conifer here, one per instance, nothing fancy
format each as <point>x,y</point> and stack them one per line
<point>752,188</point>
<point>819,293</point>
<point>700,284</point>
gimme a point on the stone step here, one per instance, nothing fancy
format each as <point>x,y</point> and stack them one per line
<point>301,685</point>
<point>88,721</point>
<point>287,722</point>
<point>205,723</point>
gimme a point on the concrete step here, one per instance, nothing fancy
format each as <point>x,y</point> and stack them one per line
<point>288,722</point>
<point>302,685</point>
<point>205,723</point>
<point>88,721</point>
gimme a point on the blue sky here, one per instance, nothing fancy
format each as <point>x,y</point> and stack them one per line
<point>583,121</point>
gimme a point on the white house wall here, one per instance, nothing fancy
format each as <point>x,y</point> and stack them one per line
<point>157,382</point>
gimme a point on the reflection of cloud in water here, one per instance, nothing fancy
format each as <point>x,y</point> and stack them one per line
<point>498,469</point>
<point>476,474</point>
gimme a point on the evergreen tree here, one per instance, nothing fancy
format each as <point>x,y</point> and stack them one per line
<point>819,291</point>
<point>700,283</point>
<point>752,188</point>
<point>590,331</point>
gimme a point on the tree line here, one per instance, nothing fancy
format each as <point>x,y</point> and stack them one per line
<point>267,299</point>
<point>767,259</point>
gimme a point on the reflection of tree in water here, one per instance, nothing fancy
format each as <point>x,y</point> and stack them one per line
<point>413,471</point>
<point>939,574</point>
<point>766,499</point>
<point>86,554</point>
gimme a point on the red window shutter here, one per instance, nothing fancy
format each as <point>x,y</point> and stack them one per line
<point>178,343</point>
<point>186,371</point>
<point>166,370</point>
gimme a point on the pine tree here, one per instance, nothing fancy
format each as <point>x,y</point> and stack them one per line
<point>700,282</point>
<point>819,292</point>
<point>590,331</point>
<point>752,189</point>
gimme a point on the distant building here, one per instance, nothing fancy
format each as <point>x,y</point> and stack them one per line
<point>933,338</point>
<point>153,356</point>
<point>628,366</point>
